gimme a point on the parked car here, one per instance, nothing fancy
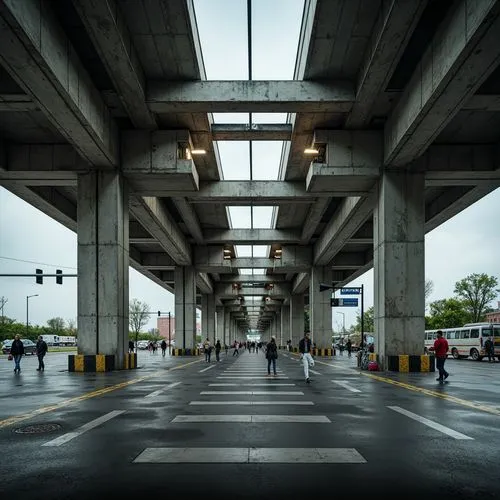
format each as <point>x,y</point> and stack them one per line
<point>29,346</point>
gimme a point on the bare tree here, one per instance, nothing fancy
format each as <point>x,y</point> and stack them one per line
<point>138,316</point>
<point>56,324</point>
<point>429,287</point>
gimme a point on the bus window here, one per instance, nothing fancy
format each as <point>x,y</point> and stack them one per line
<point>474,333</point>
<point>496,329</point>
<point>465,334</point>
<point>451,335</point>
<point>487,332</point>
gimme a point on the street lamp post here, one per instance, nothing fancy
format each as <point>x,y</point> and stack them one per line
<point>27,311</point>
<point>343,321</point>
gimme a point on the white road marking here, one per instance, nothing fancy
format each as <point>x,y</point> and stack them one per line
<point>84,428</point>
<point>269,384</point>
<point>430,423</point>
<point>208,368</point>
<point>345,384</point>
<point>251,403</point>
<point>253,393</point>
<point>251,455</point>
<point>159,391</point>
<point>314,419</point>
<point>279,377</point>
<point>315,372</point>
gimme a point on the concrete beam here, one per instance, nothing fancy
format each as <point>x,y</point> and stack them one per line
<point>204,283</point>
<point>393,28</point>
<point>256,192</point>
<point>151,213</point>
<point>451,202</point>
<point>43,164</point>
<point>108,31</point>
<point>189,218</point>
<point>226,291</point>
<point>249,97</point>
<point>17,102</point>
<point>483,102</point>
<point>157,261</point>
<point>211,259</point>
<point>341,181</point>
<point>462,54</point>
<point>254,132</point>
<point>150,158</point>
<point>38,55</point>
<point>300,283</point>
<point>249,278</point>
<point>348,260</point>
<point>250,236</point>
<point>348,218</point>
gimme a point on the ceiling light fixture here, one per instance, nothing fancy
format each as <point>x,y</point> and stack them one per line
<point>311,151</point>
<point>198,152</point>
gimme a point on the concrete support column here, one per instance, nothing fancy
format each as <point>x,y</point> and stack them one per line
<point>103,260</point>
<point>296,319</point>
<point>320,309</point>
<point>285,324</point>
<point>185,307</point>
<point>277,331</point>
<point>227,327</point>
<point>399,265</point>
<point>208,317</point>
<point>220,325</point>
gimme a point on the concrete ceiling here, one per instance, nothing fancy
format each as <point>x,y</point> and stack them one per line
<point>395,83</point>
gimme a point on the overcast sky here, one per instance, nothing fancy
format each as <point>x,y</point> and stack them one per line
<point>466,244</point>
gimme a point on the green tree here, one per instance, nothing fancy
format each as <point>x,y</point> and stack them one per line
<point>138,316</point>
<point>476,291</point>
<point>368,321</point>
<point>56,325</point>
<point>447,313</point>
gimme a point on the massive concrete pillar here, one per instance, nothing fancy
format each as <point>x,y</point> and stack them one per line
<point>285,325</point>
<point>220,325</point>
<point>103,260</point>
<point>296,319</point>
<point>185,307</point>
<point>399,265</point>
<point>320,309</point>
<point>227,327</point>
<point>278,326</point>
<point>208,317</point>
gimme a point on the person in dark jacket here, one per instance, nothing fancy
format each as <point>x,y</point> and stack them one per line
<point>271,355</point>
<point>218,347</point>
<point>41,351</point>
<point>163,346</point>
<point>17,351</point>
<point>305,349</point>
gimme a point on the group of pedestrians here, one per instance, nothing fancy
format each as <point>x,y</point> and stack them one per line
<point>17,353</point>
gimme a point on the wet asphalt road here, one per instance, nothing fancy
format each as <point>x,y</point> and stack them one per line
<point>181,426</point>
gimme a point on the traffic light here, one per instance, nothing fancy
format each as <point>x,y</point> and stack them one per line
<point>159,313</point>
<point>59,277</point>
<point>39,278</point>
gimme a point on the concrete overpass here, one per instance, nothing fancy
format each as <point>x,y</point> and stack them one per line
<point>105,109</point>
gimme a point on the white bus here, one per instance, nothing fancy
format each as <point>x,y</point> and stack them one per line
<point>467,340</point>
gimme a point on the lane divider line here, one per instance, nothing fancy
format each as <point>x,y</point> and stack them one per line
<point>430,423</point>
<point>84,428</point>
<point>159,391</point>
<point>345,384</point>
<point>46,409</point>
<point>208,368</point>
<point>436,394</point>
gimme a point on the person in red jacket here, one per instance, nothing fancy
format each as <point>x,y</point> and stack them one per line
<point>441,352</point>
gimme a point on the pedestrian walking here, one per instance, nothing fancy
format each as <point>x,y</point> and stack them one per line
<point>207,347</point>
<point>271,355</point>
<point>218,347</point>
<point>305,349</point>
<point>236,351</point>
<point>41,351</point>
<point>226,348</point>
<point>489,347</point>
<point>441,353</point>
<point>130,346</point>
<point>163,346</point>
<point>17,352</point>
<point>348,346</point>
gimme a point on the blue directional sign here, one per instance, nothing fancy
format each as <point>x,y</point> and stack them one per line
<point>344,302</point>
<point>350,291</point>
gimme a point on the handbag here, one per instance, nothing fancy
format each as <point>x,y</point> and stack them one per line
<point>10,357</point>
